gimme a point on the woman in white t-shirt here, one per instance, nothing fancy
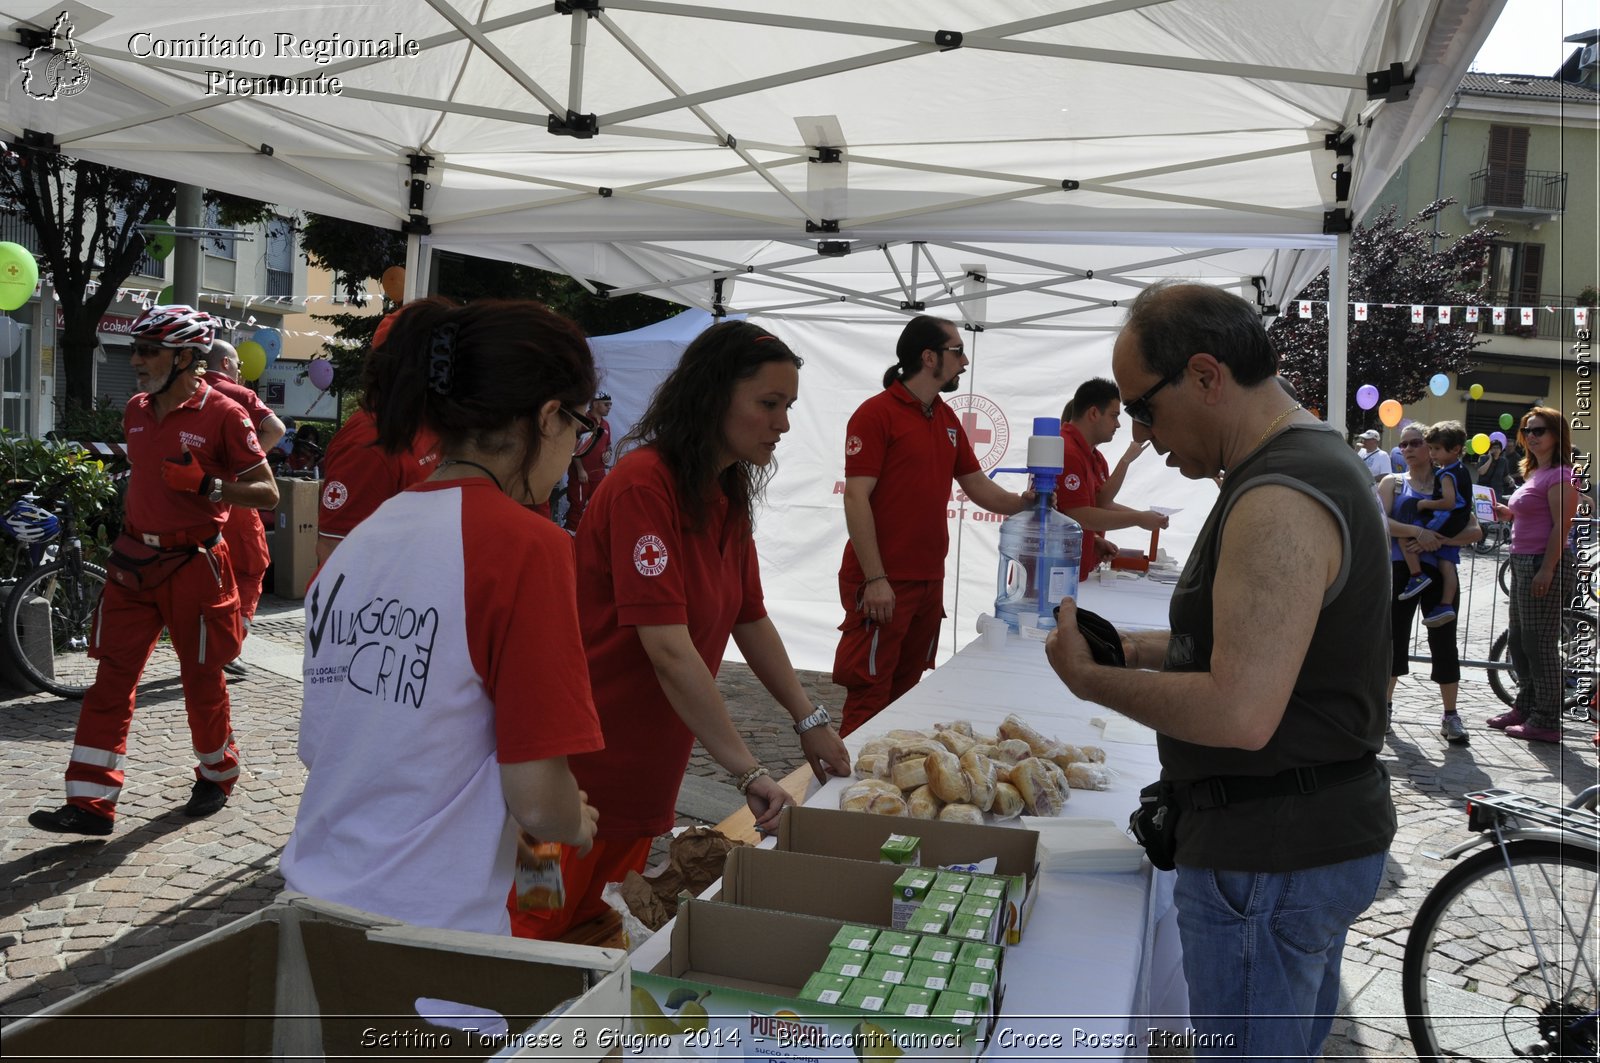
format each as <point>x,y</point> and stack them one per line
<point>445,681</point>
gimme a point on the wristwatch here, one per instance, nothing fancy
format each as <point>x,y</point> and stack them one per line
<point>216,489</point>
<point>820,718</point>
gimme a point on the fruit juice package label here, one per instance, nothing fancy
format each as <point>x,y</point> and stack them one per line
<point>538,875</point>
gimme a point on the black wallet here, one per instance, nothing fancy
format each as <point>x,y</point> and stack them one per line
<point>1105,645</point>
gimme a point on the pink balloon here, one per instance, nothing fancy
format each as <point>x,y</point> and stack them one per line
<point>1366,396</point>
<point>321,373</point>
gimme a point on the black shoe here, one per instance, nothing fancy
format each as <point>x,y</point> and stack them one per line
<point>70,819</point>
<point>237,668</point>
<point>206,797</point>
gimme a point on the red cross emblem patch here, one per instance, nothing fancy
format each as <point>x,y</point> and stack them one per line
<point>650,556</point>
<point>334,494</point>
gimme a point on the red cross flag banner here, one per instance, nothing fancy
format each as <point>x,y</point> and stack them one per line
<point>1361,311</point>
<point>1498,315</point>
<point>1444,315</point>
<point>1527,315</point>
<point>1580,316</point>
<point>1472,315</point>
<point>1418,315</point>
<point>1305,308</point>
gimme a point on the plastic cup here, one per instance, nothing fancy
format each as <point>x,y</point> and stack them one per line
<point>994,635</point>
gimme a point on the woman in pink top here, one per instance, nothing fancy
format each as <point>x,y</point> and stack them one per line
<point>1542,574</point>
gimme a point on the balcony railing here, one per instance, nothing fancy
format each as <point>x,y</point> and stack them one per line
<point>280,282</point>
<point>1546,326</point>
<point>14,228</point>
<point>1501,190</point>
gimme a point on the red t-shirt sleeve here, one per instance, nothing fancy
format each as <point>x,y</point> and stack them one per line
<point>966,460</point>
<point>240,448</point>
<point>866,442</point>
<point>522,630</point>
<point>645,535</point>
<point>367,476</point>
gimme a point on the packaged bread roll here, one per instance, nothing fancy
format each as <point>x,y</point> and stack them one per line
<point>984,749</point>
<point>1067,754</point>
<point>872,766</point>
<point>919,747</point>
<point>1013,727</point>
<point>1093,754</point>
<point>961,813</point>
<point>1010,750</point>
<point>1007,801</point>
<point>1036,781</point>
<point>877,747</point>
<point>1058,773</point>
<point>910,772</point>
<point>982,775</point>
<point>955,741</point>
<point>921,804</point>
<point>959,726</point>
<point>903,735</point>
<point>1088,776</point>
<point>873,795</point>
<point>944,776</point>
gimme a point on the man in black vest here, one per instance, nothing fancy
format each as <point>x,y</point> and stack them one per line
<point>1268,723</point>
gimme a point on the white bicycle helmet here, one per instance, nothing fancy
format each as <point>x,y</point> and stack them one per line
<point>176,326</point>
<point>30,523</point>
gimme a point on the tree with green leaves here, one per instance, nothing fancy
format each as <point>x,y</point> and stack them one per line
<point>358,253</point>
<point>1397,265</point>
<point>88,218</point>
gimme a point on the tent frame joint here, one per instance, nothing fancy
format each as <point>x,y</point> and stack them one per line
<point>827,155</point>
<point>1336,221</point>
<point>31,37</point>
<point>947,40</point>
<point>833,248</point>
<point>603,192</point>
<point>416,225</point>
<point>37,141</point>
<point>917,305</point>
<point>1069,185</point>
<point>1340,143</point>
<point>826,225</point>
<point>591,8</point>
<point>1391,85</point>
<point>1341,183</point>
<point>578,126</point>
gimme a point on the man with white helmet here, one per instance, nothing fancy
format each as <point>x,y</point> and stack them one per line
<point>193,453</point>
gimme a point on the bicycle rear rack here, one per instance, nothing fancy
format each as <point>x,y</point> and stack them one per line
<point>1508,804</point>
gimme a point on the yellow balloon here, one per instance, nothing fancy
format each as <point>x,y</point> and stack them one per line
<point>1390,412</point>
<point>252,360</point>
<point>1480,443</point>
<point>1476,391</point>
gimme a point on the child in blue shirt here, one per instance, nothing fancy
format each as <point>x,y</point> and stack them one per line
<point>1445,514</point>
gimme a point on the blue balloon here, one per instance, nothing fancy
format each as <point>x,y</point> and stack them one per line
<point>1439,384</point>
<point>271,341</point>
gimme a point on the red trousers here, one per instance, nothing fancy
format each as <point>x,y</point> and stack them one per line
<point>876,663</point>
<point>578,496</point>
<point>199,606</point>
<point>247,554</point>
<point>583,878</point>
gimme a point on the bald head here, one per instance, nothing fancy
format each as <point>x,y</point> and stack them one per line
<point>224,359</point>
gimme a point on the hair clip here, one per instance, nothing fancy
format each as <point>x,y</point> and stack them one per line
<point>441,358</point>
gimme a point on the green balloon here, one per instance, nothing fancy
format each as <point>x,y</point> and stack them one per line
<point>165,296</point>
<point>158,240</point>
<point>19,274</point>
<point>1506,420</point>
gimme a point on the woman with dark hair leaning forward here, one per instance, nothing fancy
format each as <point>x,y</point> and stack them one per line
<point>667,571</point>
<point>444,677</point>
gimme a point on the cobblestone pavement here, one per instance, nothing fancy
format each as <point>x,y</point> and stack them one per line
<point>72,913</point>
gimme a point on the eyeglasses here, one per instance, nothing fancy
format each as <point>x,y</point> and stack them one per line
<point>148,350</point>
<point>588,432</point>
<point>1138,410</point>
<point>957,349</point>
<point>1535,431</point>
<point>1407,444</point>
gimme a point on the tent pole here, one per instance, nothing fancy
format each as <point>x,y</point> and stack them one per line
<point>1338,331</point>
<point>418,260</point>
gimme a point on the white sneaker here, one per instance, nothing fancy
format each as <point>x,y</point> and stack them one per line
<point>1452,730</point>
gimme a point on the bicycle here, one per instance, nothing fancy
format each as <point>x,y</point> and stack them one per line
<point>1502,959</point>
<point>1495,535</point>
<point>1578,649</point>
<point>49,616</point>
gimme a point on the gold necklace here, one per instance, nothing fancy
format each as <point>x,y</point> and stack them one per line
<point>1276,421</point>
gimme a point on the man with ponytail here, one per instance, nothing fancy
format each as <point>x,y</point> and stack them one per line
<point>902,448</point>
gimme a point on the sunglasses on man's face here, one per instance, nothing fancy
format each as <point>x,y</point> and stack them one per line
<point>588,432</point>
<point>1138,410</point>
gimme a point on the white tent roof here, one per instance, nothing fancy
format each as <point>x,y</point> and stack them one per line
<point>1184,126</point>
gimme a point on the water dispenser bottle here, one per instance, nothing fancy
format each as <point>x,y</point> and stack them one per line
<point>1040,549</point>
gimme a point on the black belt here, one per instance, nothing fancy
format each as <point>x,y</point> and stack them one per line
<point>1221,790</point>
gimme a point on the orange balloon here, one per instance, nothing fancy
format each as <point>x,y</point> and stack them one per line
<point>1390,412</point>
<point>394,283</point>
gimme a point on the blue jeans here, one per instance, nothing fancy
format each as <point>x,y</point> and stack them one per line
<point>1261,953</point>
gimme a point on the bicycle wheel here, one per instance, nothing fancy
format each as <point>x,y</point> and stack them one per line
<point>1504,576</point>
<point>1577,647</point>
<point>1494,534</point>
<point>1481,981</point>
<point>55,658</point>
<point>1504,680</point>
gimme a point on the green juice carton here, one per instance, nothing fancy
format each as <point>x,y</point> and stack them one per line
<point>825,988</point>
<point>866,994</point>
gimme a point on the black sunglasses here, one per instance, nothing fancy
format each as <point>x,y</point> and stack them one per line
<point>1535,430</point>
<point>588,432</point>
<point>1138,410</point>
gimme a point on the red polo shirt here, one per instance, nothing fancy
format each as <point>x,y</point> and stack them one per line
<point>359,475</point>
<point>1083,472</point>
<point>218,433</point>
<point>640,565</point>
<point>914,456</point>
<point>257,410</point>
<point>594,462</point>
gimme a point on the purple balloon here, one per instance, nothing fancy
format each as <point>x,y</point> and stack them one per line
<point>321,373</point>
<point>1498,437</point>
<point>1366,396</point>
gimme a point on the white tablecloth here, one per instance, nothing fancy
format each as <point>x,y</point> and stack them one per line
<point>1099,954</point>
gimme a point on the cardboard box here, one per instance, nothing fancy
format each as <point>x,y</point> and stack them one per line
<point>294,537</point>
<point>305,978</point>
<point>860,836</point>
<point>744,968</point>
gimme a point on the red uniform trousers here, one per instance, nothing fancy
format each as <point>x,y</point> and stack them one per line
<point>578,495</point>
<point>876,663</point>
<point>247,553</point>
<point>583,879</point>
<point>200,607</point>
